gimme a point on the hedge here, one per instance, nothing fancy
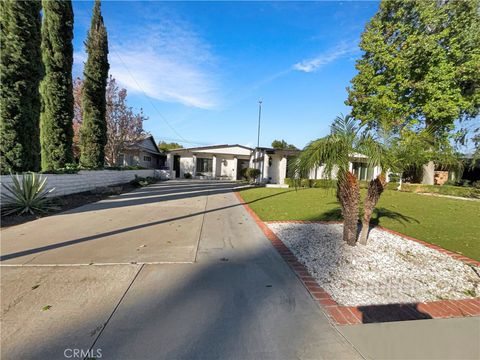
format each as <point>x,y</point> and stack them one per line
<point>318,183</point>
<point>461,191</point>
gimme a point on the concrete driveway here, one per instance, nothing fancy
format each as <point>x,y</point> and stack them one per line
<point>157,224</point>
<point>178,270</point>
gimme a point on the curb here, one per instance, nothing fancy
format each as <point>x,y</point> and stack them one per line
<point>352,315</point>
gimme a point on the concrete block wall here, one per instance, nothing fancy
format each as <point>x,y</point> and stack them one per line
<point>85,180</point>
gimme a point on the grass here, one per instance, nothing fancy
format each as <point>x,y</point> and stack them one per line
<point>449,223</point>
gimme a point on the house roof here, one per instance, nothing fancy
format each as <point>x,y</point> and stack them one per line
<point>278,151</point>
<point>212,147</point>
<point>147,144</point>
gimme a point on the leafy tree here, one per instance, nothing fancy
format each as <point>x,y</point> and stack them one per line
<point>56,87</point>
<point>283,145</point>
<point>124,127</point>
<point>93,137</point>
<point>420,66</point>
<point>164,146</point>
<point>334,152</point>
<point>21,70</point>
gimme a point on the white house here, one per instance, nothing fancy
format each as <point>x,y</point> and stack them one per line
<point>227,161</point>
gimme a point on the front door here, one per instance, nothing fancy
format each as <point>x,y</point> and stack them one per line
<point>176,165</point>
<point>241,164</point>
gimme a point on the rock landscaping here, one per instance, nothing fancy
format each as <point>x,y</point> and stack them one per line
<point>390,269</point>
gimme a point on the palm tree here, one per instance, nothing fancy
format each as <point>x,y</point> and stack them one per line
<point>334,153</point>
<point>379,149</point>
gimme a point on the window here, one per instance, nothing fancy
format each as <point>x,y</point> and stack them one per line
<point>147,158</point>
<point>204,165</point>
<point>362,171</point>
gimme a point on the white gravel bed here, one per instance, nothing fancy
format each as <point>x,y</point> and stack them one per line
<point>389,269</point>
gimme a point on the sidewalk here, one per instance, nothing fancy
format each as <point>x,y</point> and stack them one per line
<point>420,339</point>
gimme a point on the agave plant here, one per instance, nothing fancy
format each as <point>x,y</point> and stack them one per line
<point>27,195</point>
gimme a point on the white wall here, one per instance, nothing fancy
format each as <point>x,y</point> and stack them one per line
<point>187,165</point>
<point>228,166</point>
<point>85,180</point>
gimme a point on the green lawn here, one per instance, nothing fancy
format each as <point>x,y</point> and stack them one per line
<point>449,223</point>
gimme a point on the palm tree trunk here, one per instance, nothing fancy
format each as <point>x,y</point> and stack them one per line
<point>375,189</point>
<point>348,194</point>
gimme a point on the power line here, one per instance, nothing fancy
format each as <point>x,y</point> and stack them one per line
<point>186,142</point>
<point>148,98</point>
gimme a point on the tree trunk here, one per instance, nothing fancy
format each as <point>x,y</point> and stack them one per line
<point>348,194</point>
<point>428,173</point>
<point>375,189</point>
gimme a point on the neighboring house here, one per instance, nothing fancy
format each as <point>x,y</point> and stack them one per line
<point>227,161</point>
<point>143,153</point>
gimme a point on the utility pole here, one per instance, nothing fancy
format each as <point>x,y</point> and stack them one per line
<point>259,117</point>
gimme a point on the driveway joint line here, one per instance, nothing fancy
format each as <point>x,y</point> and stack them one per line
<point>201,226</point>
<point>100,264</point>
<point>114,310</point>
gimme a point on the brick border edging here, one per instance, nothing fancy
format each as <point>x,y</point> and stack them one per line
<point>351,315</point>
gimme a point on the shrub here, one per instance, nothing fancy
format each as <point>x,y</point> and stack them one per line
<point>70,168</point>
<point>394,178</point>
<point>243,173</point>
<point>311,183</point>
<point>142,181</point>
<point>187,176</point>
<point>251,174</point>
<point>27,195</point>
<point>306,183</point>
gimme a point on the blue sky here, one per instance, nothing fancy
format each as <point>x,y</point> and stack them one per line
<point>198,69</point>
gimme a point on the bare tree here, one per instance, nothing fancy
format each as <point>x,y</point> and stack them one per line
<point>124,126</point>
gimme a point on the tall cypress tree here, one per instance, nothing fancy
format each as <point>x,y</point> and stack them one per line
<point>21,70</point>
<point>56,131</point>
<point>93,136</point>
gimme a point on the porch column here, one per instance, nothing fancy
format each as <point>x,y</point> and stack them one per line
<point>266,159</point>
<point>170,165</point>
<point>194,165</point>
<point>283,170</point>
<point>235,167</point>
<point>214,166</point>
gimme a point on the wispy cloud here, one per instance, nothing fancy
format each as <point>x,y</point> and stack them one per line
<point>167,62</point>
<point>313,64</point>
